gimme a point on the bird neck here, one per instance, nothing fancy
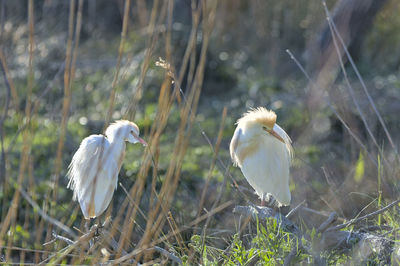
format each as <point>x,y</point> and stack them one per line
<point>247,148</point>
<point>117,145</point>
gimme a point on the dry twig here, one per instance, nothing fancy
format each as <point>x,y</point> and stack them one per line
<point>353,221</point>
<point>45,216</point>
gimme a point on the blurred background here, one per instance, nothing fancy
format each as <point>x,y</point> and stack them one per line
<point>69,68</point>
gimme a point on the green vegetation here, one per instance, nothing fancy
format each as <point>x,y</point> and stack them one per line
<point>236,60</point>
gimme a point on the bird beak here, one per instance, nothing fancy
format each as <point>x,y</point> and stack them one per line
<point>144,143</point>
<point>272,132</point>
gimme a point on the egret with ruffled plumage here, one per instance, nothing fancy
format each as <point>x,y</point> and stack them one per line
<point>93,172</point>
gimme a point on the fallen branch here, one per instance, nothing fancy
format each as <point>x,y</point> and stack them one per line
<point>331,219</point>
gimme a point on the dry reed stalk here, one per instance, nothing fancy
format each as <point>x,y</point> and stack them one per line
<point>156,219</point>
<point>222,186</point>
<point>9,81</point>
<point>213,161</point>
<point>3,174</point>
<point>168,46</point>
<point>119,59</point>
<point>150,43</point>
<point>67,96</point>
<point>139,182</point>
<point>68,81</point>
<point>69,74</point>
<point>142,12</point>
<point>174,229</point>
<point>211,169</point>
<point>82,239</point>
<point>190,48</point>
<point>165,101</point>
<point>26,146</point>
<point>138,251</point>
<point>193,52</point>
<point>45,216</point>
<point>114,89</point>
<point>26,219</point>
<point>157,127</point>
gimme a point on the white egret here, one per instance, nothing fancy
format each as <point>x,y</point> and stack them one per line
<point>263,151</point>
<point>94,179</point>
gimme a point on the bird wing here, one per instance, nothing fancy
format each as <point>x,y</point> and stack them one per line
<point>267,170</point>
<point>288,141</point>
<point>233,146</point>
<point>86,162</point>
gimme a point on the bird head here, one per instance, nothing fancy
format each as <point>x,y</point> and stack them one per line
<point>253,128</point>
<point>126,130</point>
<point>260,121</point>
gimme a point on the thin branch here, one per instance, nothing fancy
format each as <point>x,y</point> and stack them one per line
<point>3,117</point>
<point>350,88</point>
<point>294,210</point>
<point>59,237</point>
<point>84,238</point>
<point>353,221</point>
<point>44,215</point>
<point>167,254</point>
<point>118,66</point>
<point>332,108</point>
<point>361,80</point>
<point>34,108</point>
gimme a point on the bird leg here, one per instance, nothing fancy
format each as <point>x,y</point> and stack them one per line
<point>267,200</point>
<point>99,226</point>
<point>87,223</point>
<point>262,200</point>
<point>271,202</point>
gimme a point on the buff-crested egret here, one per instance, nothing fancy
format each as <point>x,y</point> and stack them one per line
<point>263,151</point>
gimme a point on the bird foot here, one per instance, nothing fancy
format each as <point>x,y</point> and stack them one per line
<point>269,202</point>
<point>272,203</point>
<point>99,227</point>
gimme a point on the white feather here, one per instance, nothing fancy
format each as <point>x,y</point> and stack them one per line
<point>267,169</point>
<point>263,158</point>
<point>93,172</point>
<point>88,174</point>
